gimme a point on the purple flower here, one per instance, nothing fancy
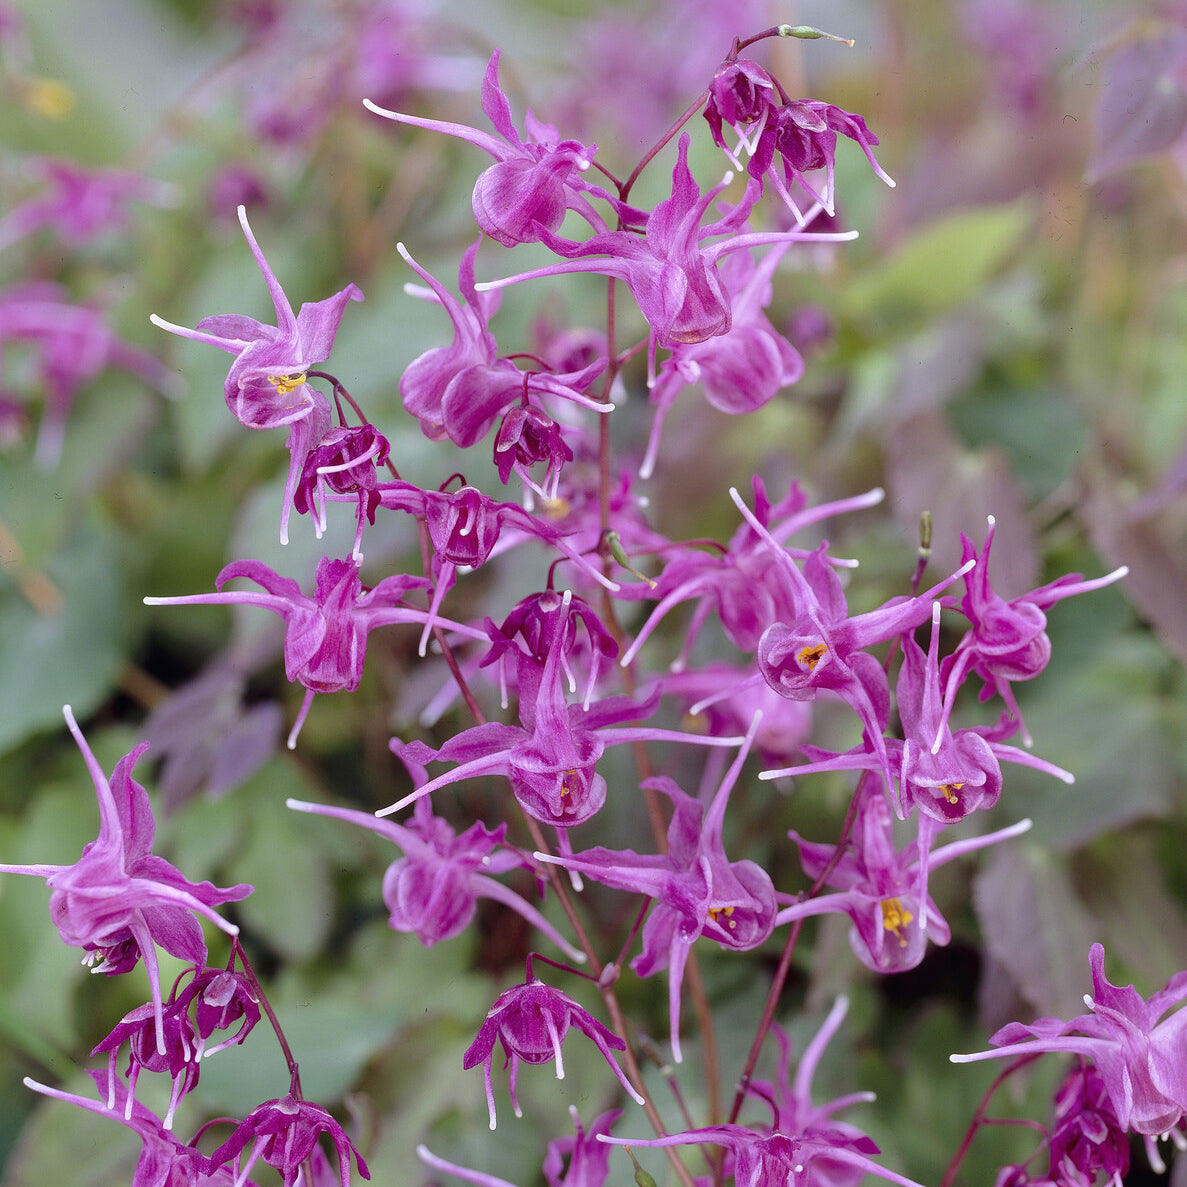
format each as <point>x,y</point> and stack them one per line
<point>1086,1138</point>
<point>433,890</point>
<point>884,890</point>
<point>804,134</point>
<point>532,183</point>
<point>530,1022</point>
<point>71,344</point>
<point>265,387</point>
<point>325,637</point>
<point>1136,1046</point>
<point>588,1166</point>
<point>672,275</point>
<point>164,1161</point>
<point>119,901</point>
<point>744,96</point>
<point>740,370</point>
<point>80,204</point>
<point>1007,641</point>
<point>697,890</point>
<point>551,756</point>
<point>776,1159</point>
<point>528,435</point>
<point>285,1134</point>
<point>459,391</point>
<point>179,1059</point>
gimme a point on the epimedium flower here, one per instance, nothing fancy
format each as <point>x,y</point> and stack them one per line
<point>881,888</point>
<point>80,203</point>
<point>433,890</point>
<point>325,638</point>
<point>777,1159</point>
<point>530,1022</point>
<point>1086,1138</point>
<point>588,1158</point>
<point>743,96</point>
<point>697,890</point>
<point>945,774</point>
<point>669,268</point>
<point>1135,1043</point>
<point>284,1133</point>
<point>71,344</point>
<point>740,370</point>
<point>532,183</point>
<point>119,901</point>
<point>1007,640</point>
<point>266,385</point>
<point>740,584</point>
<point>164,1161</point>
<point>459,391</point>
<point>552,755</point>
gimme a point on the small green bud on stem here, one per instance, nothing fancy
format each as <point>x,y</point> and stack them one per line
<point>807,33</point>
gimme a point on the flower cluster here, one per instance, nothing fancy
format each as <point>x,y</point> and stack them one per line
<point>562,683</point>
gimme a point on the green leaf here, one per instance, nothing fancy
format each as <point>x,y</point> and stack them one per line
<point>67,650</point>
<point>940,266</point>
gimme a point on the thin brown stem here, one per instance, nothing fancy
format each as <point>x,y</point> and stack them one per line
<point>250,973</point>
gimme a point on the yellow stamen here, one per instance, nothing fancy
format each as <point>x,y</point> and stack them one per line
<point>716,913</point>
<point>950,790</point>
<point>895,917</point>
<point>566,787</point>
<point>287,383</point>
<point>811,656</point>
<point>557,508</point>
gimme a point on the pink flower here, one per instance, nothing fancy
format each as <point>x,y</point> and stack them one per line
<point>530,1022</point>
<point>119,901</point>
<point>265,387</point>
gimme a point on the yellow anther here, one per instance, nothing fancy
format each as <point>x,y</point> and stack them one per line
<point>811,656</point>
<point>48,97</point>
<point>895,917</point>
<point>950,790</point>
<point>557,508</point>
<point>287,383</point>
<point>566,787</point>
<point>716,914</point>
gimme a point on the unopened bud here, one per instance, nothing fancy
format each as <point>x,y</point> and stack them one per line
<point>925,527</point>
<point>641,1176</point>
<point>614,543</point>
<point>808,33</point>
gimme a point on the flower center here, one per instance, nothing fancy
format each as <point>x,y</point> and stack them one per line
<point>895,917</point>
<point>723,917</point>
<point>287,383</point>
<point>950,790</point>
<point>811,655</point>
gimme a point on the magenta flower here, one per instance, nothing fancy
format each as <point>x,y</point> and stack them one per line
<point>80,204</point>
<point>459,391</point>
<point>70,344</point>
<point>119,901</point>
<point>588,1158</point>
<point>433,890</point>
<point>744,96</point>
<point>1007,641</point>
<point>164,1161</point>
<point>883,890</point>
<point>1086,1138</point>
<point>697,890</point>
<point>669,269</point>
<point>528,435</point>
<point>532,183</point>
<point>738,371</point>
<point>777,1159</point>
<point>265,387</point>
<point>325,638</point>
<point>530,1022</point>
<point>804,135</point>
<point>1136,1045</point>
<point>285,1134</point>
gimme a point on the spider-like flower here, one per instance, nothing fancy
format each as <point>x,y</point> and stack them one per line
<point>119,901</point>
<point>266,386</point>
<point>1136,1045</point>
<point>530,1022</point>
